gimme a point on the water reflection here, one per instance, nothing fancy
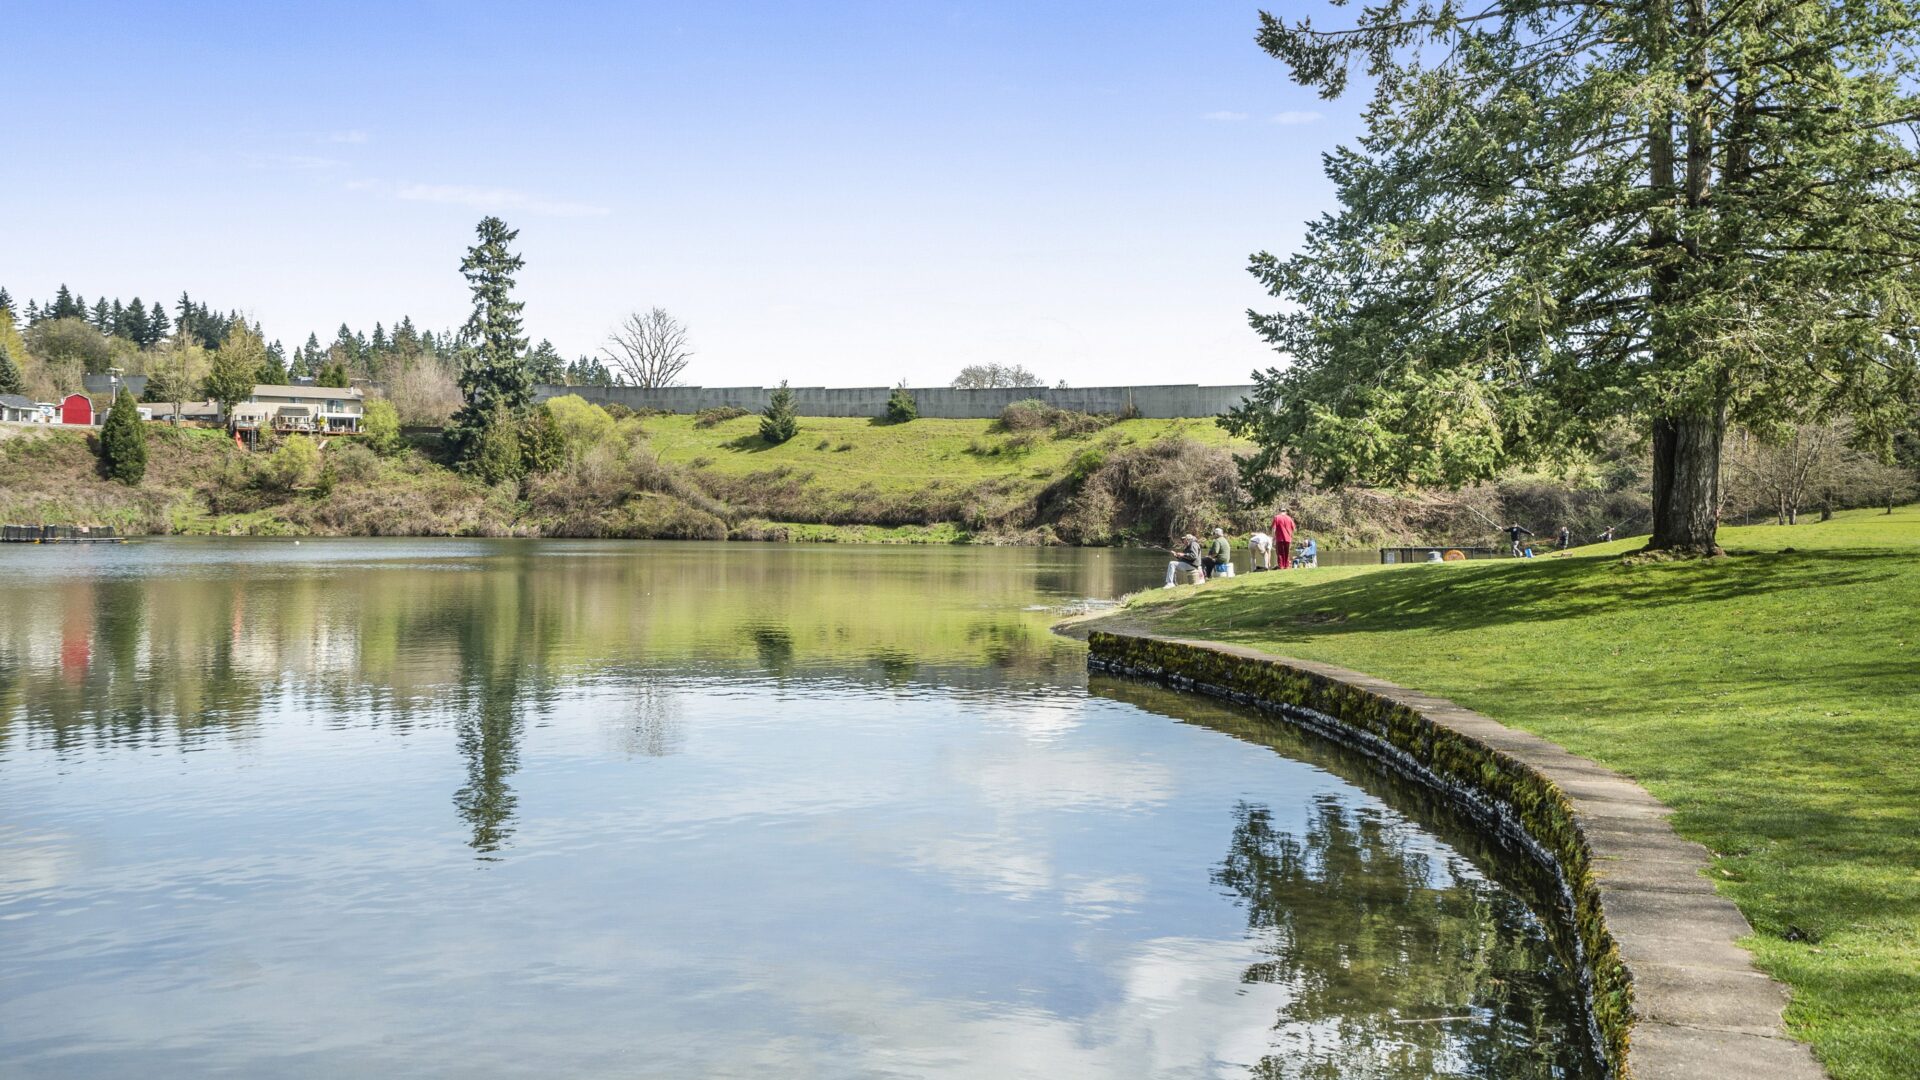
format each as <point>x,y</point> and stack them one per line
<point>1393,956</point>
<point>396,808</point>
<point>1398,956</point>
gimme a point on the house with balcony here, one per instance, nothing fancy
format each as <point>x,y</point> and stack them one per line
<point>300,410</point>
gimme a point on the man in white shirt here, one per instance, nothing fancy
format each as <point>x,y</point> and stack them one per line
<point>1261,545</point>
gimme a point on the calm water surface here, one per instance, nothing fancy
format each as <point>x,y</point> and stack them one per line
<point>505,809</point>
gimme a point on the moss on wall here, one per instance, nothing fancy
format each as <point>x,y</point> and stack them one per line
<point>1500,792</point>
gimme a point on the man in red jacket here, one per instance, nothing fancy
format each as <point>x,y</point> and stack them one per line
<point>1283,538</point>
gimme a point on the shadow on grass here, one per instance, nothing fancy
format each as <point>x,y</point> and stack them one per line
<point>750,443</point>
<point>1510,592</point>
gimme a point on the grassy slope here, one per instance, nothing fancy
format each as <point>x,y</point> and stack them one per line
<point>1772,699</point>
<point>897,457</point>
<point>48,475</point>
<point>52,475</point>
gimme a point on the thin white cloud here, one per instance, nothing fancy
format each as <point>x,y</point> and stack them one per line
<point>492,199</point>
<point>353,136</point>
<point>1296,116</point>
<point>496,198</point>
<point>291,161</point>
<point>1223,114</point>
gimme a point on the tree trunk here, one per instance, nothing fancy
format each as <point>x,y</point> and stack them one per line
<point>1686,482</point>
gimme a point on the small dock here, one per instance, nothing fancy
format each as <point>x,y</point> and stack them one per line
<point>60,534</point>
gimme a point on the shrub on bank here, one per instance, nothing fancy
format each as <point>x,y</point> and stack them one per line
<point>714,417</point>
<point>123,442</point>
<point>582,424</point>
<point>380,427</point>
<point>778,422</point>
<point>901,407</point>
<point>293,465</point>
<point>1032,414</point>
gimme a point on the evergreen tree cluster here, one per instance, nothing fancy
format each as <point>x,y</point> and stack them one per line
<point>133,321</point>
<point>588,371</point>
<point>354,354</point>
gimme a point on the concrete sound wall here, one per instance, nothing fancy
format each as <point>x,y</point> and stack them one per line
<point>1159,402</point>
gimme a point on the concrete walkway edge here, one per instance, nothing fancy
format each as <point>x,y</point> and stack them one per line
<point>1693,1006</point>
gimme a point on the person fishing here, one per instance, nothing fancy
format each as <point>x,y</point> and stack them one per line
<point>1515,531</point>
<point>1219,560</point>
<point>1186,556</point>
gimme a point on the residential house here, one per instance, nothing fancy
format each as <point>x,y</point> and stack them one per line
<point>314,410</point>
<point>15,409</point>
<point>200,412</point>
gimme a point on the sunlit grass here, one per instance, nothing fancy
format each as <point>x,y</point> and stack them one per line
<point>1771,698</point>
<point>847,453</point>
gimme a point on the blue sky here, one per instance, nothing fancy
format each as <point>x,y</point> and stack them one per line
<point>840,194</point>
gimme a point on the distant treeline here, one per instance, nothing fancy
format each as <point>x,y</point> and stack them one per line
<point>49,345</point>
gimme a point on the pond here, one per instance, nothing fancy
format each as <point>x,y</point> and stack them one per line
<point>514,809</point>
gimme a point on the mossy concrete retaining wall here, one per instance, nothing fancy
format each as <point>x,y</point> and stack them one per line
<point>1672,994</point>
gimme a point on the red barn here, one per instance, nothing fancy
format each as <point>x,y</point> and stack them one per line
<point>76,409</point>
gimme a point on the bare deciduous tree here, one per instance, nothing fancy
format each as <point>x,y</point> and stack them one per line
<point>648,350</point>
<point>989,376</point>
<point>423,390</point>
<point>1819,464</point>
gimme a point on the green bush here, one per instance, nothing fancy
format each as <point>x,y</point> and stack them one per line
<point>380,426</point>
<point>901,407</point>
<point>581,423</point>
<point>1085,464</point>
<point>295,464</point>
<point>777,421</point>
<point>123,442</point>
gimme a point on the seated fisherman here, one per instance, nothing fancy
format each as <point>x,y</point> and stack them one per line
<point>1186,556</point>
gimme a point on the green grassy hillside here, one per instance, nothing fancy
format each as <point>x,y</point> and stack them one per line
<point>845,454</point>
<point>930,481</point>
<point>1771,698</point>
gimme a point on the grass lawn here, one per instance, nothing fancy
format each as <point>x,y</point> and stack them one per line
<point>847,453</point>
<point>1771,698</point>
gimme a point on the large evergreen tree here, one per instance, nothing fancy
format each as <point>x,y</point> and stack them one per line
<point>1566,212</point>
<point>493,369</point>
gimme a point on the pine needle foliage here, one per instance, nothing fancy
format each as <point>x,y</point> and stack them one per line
<point>778,422</point>
<point>1689,213</point>
<point>123,442</point>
